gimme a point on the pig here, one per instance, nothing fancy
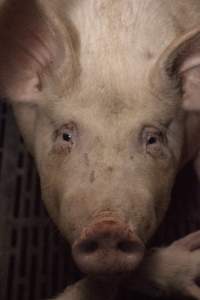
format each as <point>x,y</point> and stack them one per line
<point>100,90</point>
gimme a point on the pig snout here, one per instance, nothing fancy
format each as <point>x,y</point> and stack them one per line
<point>108,247</point>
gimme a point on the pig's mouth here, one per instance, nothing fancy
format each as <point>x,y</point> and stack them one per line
<point>108,247</point>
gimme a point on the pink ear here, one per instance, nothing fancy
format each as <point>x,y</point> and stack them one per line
<point>190,74</point>
<point>186,54</point>
<point>29,45</point>
<point>177,72</point>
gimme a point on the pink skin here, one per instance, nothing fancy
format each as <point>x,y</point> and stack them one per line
<point>104,119</point>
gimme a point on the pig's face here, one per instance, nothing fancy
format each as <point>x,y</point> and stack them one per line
<point>105,156</point>
<point>100,153</point>
<point>106,141</point>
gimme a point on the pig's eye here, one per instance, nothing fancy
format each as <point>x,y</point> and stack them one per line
<point>151,140</point>
<point>65,138</point>
<point>154,141</point>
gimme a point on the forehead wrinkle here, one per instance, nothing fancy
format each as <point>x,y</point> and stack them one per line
<point>106,106</point>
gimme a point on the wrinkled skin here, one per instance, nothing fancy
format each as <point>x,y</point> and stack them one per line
<point>94,91</point>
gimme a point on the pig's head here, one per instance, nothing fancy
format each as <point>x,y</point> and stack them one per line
<point>106,134</point>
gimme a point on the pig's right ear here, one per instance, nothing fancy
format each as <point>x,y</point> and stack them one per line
<point>30,46</point>
<point>179,69</point>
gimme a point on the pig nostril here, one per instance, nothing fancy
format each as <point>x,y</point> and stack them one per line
<point>89,247</point>
<point>127,247</point>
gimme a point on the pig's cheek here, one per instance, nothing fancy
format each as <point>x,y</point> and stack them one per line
<point>49,173</point>
<point>49,191</point>
<point>150,223</point>
<point>26,118</point>
<point>63,220</point>
<point>58,200</point>
<point>52,204</point>
<point>150,213</point>
<point>163,199</point>
<point>147,223</point>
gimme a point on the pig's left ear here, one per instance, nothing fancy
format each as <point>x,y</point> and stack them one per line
<point>179,68</point>
<point>30,47</point>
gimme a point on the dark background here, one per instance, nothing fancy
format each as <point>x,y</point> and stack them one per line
<point>35,261</point>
